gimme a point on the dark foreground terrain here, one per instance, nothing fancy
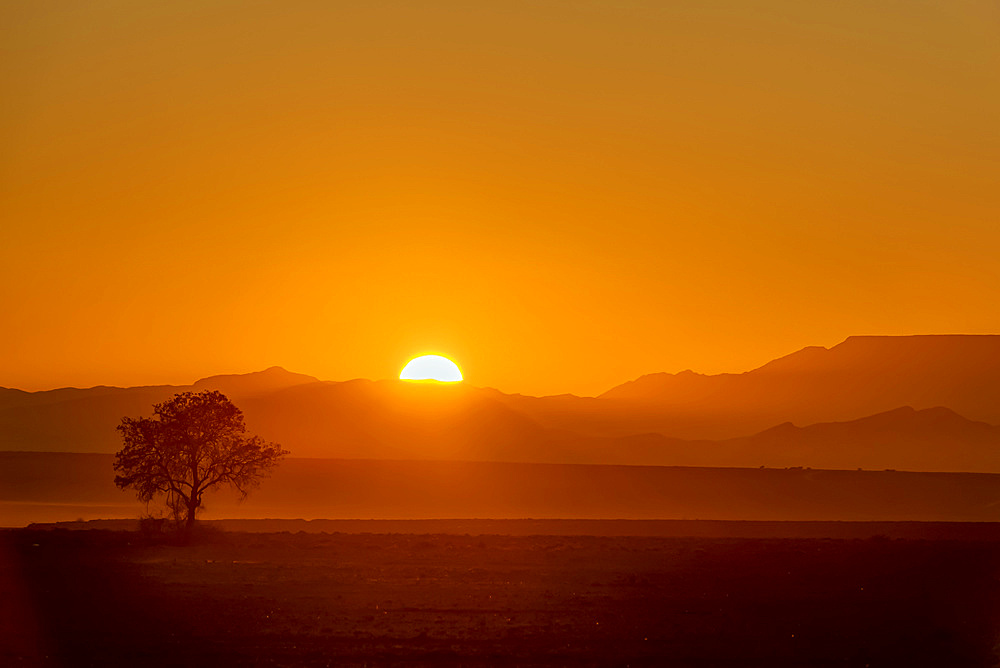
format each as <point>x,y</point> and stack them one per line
<point>280,599</point>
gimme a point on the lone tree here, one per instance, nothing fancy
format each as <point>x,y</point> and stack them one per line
<point>194,442</point>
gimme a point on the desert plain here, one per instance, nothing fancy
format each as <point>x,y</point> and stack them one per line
<point>379,594</point>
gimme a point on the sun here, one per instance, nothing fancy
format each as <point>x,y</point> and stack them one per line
<point>431,367</point>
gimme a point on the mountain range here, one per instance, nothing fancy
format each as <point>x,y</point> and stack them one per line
<point>923,403</point>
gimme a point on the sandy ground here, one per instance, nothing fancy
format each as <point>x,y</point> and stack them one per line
<point>99,598</point>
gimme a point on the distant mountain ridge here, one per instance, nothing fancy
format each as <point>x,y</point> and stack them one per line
<point>916,403</point>
<point>84,420</point>
<point>861,376</point>
<point>931,439</point>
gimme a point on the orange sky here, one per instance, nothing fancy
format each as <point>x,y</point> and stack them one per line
<point>561,196</point>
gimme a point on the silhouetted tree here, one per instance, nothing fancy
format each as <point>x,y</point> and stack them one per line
<point>194,442</point>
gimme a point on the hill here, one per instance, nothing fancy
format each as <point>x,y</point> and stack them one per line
<point>912,403</point>
<point>862,376</point>
<point>84,420</point>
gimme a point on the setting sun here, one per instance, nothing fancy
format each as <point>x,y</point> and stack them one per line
<point>431,367</point>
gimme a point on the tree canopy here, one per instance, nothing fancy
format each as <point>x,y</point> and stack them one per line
<point>193,442</point>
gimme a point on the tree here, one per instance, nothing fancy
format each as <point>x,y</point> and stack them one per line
<point>194,442</point>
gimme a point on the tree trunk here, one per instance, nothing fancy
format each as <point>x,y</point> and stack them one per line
<point>191,510</point>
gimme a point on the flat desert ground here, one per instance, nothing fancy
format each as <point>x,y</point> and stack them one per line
<point>466,597</point>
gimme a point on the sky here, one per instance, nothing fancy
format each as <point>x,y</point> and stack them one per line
<point>560,196</point>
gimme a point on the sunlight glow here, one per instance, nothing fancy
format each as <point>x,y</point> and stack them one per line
<point>431,367</point>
